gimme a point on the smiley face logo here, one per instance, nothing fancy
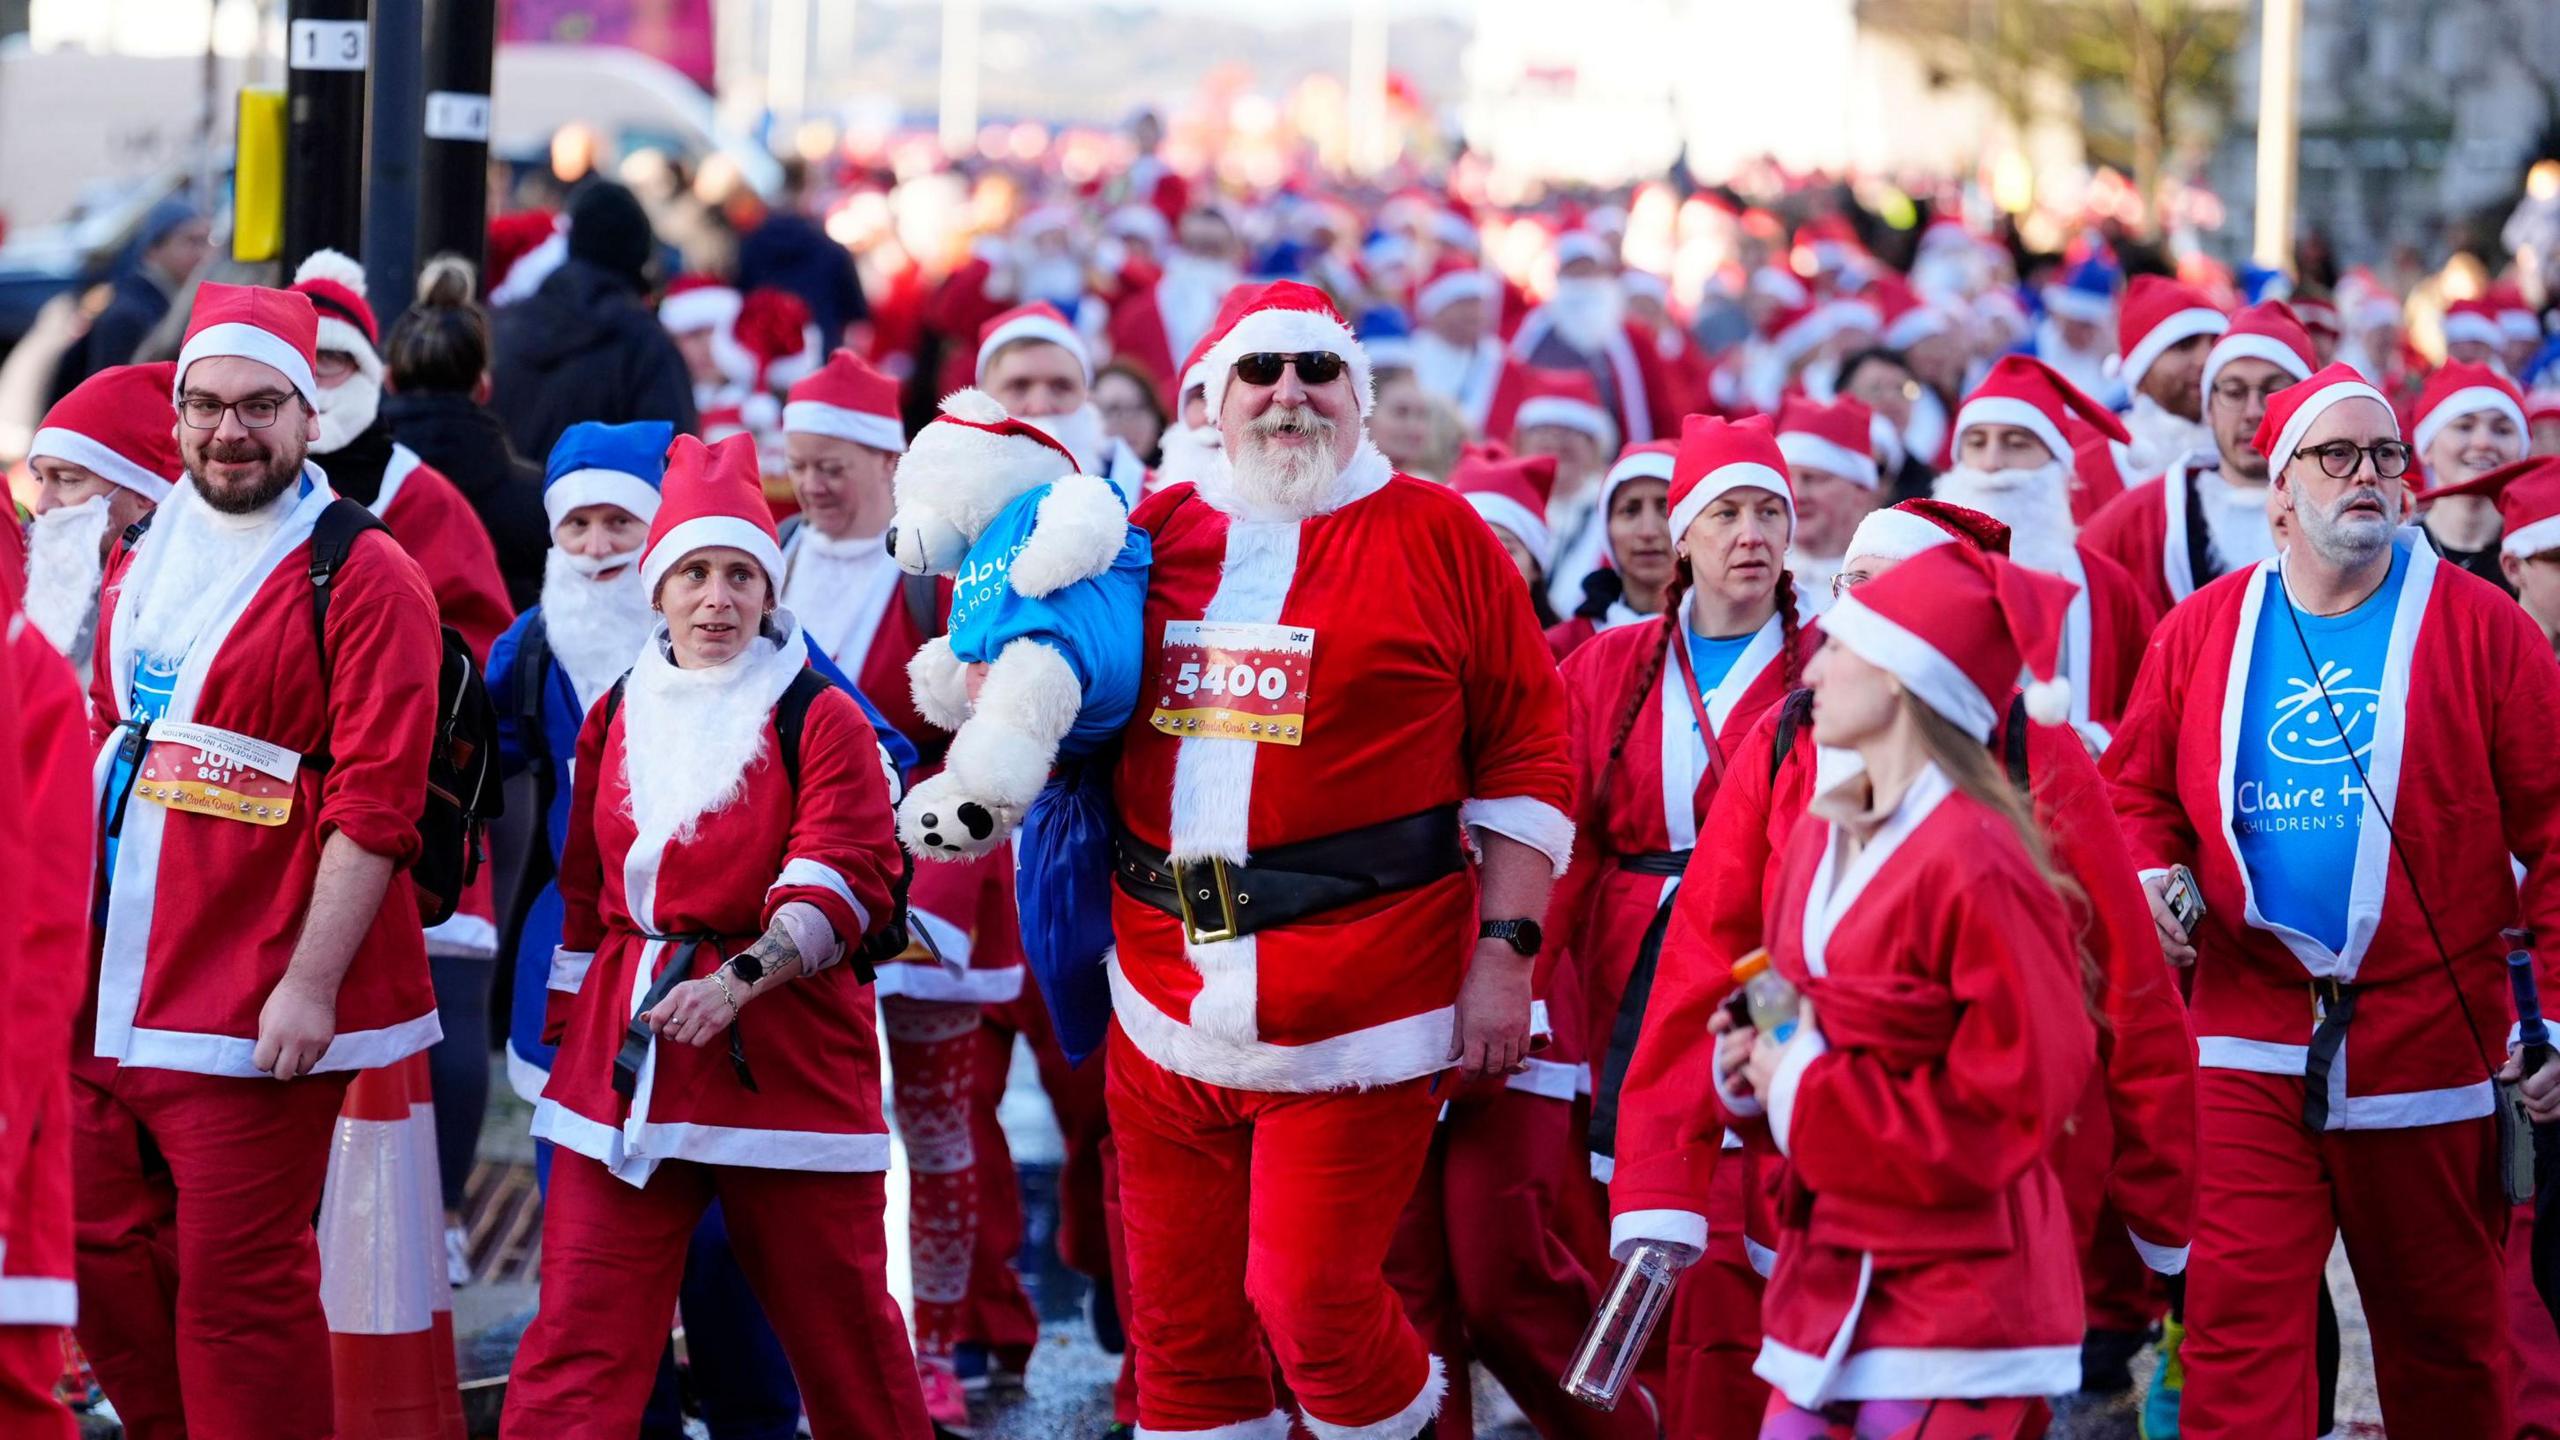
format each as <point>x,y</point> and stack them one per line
<point>2313,728</point>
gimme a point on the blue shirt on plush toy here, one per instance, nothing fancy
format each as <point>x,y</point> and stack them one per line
<point>1094,625</point>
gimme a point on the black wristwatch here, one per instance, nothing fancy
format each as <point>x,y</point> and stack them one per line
<point>749,965</point>
<point>1523,936</point>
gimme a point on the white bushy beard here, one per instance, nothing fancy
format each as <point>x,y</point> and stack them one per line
<point>2035,503</point>
<point>1080,430</point>
<point>346,412</point>
<point>1589,311</point>
<point>1290,482</point>
<point>1058,279</point>
<point>1193,455</point>
<point>688,736</point>
<point>1441,368</point>
<point>187,567</point>
<point>2162,437</point>
<point>596,627</point>
<point>63,566</point>
<point>1188,294</point>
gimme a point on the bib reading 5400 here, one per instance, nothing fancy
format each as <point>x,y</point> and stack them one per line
<point>1234,682</point>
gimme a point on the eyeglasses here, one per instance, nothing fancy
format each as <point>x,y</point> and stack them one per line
<point>1263,367</point>
<point>1848,580</point>
<point>2343,458</point>
<point>2240,392</point>
<point>203,412</point>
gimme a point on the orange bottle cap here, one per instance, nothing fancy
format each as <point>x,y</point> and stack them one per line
<point>1750,967</point>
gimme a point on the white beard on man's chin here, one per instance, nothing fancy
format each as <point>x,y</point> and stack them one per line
<point>1589,311</point>
<point>2035,503</point>
<point>1291,481</point>
<point>63,566</point>
<point>1080,430</point>
<point>2161,436</point>
<point>596,627</point>
<point>1189,454</point>
<point>347,412</point>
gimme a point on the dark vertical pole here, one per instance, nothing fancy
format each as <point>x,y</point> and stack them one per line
<point>327,46</point>
<point>391,191</point>
<point>453,172</point>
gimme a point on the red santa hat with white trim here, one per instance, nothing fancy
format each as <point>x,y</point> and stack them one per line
<point>1452,280</point>
<point>847,399</point>
<point>770,344</point>
<point>2541,406</point>
<point>1569,399</point>
<point>1719,456</point>
<point>2159,313</point>
<point>2517,318</point>
<point>2474,320</point>
<point>2527,494</point>
<point>1957,625</point>
<point>335,284</point>
<point>2292,411</point>
<point>1838,438</point>
<point>1510,491</point>
<point>2318,316</point>
<point>1287,317</point>
<point>1038,320</point>
<point>698,302</point>
<point>1899,532</point>
<point>1908,319</point>
<point>119,426</point>
<point>2269,331</point>
<point>2454,391</point>
<point>2026,392</point>
<point>277,328</point>
<point>713,495</point>
<point>1644,460</point>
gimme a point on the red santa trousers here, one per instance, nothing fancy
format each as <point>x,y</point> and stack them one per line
<point>199,1276</point>
<point>30,1366</point>
<point>1252,1215</point>
<point>813,1247</point>
<point>2425,1224</point>
<point>1485,1270</point>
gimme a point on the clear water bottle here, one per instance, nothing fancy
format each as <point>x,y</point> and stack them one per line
<point>1638,1296</point>
<point>1771,1001</point>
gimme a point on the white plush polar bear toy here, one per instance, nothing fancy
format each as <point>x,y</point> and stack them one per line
<point>1050,580</point>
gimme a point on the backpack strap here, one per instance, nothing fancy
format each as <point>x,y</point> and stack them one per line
<point>529,682</point>
<point>2013,741</point>
<point>333,540</point>
<point>923,597</point>
<point>2203,566</point>
<point>1793,713</point>
<point>612,701</point>
<point>791,717</point>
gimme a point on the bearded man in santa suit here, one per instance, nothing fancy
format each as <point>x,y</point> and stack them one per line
<point>1584,326</point>
<point>104,456</point>
<point>2014,463</point>
<point>2166,332</point>
<point>2346,745</point>
<point>187,1152</point>
<point>1271,1117</point>
<point>2207,515</point>
<point>1456,353</point>
<point>1153,327</point>
<point>1040,370</point>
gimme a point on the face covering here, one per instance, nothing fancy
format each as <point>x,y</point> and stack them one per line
<point>2034,502</point>
<point>1588,311</point>
<point>347,412</point>
<point>63,566</point>
<point>596,627</point>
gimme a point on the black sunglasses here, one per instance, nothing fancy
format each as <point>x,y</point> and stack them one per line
<point>1263,367</point>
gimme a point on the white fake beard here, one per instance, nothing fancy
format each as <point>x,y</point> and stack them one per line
<point>1440,367</point>
<point>2034,503</point>
<point>689,735</point>
<point>2162,437</point>
<point>63,566</point>
<point>1058,279</point>
<point>596,627</point>
<point>1080,430</point>
<point>1193,455</point>
<point>1589,311</point>
<point>347,412</point>
<point>190,560</point>
<point>1292,482</point>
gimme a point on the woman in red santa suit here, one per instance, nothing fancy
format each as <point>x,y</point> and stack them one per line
<point>730,843</point>
<point>1921,1035</point>
<point>1635,508</point>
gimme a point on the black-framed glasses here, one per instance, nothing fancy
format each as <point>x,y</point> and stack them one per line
<point>1314,367</point>
<point>2341,459</point>
<point>2240,392</point>
<point>203,412</point>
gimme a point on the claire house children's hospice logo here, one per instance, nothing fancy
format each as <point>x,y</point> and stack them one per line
<point>2321,722</point>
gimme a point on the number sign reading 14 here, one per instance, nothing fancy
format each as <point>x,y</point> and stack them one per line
<point>1234,682</point>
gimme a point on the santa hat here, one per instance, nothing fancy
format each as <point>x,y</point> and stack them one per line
<point>2269,331</point>
<point>512,237</point>
<point>1644,460</point>
<point>1899,532</point>
<point>1908,319</point>
<point>2158,314</point>
<point>2026,392</point>
<point>1717,456</point>
<point>2475,320</point>
<point>277,328</point>
<point>1452,281</point>
<point>1139,222</point>
<point>770,344</point>
<point>1795,330</point>
<point>713,496</point>
<point>848,400</point>
<point>2541,406</point>
<point>335,284</point>
<point>2527,494</point>
<point>978,410</point>
<point>598,464</point>
<point>2458,390</point>
<point>1568,398</point>
<point>1287,317</point>
<point>2292,411</point>
<point>1956,625</point>
<point>1038,320</point>
<point>698,302</point>
<point>2318,317</point>
<point>1838,437</point>
<point>2516,315</point>
<point>2087,293</point>
<point>1575,245</point>
<point>1194,372</point>
<point>1510,491</point>
<point>118,425</point>
<point>1780,285</point>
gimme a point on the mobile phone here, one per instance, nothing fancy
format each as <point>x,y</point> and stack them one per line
<point>2184,898</point>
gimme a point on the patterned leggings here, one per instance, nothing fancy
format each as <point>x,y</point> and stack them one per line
<point>932,1053</point>
<point>2009,1419</point>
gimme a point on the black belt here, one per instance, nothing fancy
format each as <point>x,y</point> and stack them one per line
<point>1215,900</point>
<point>674,967</point>
<point>2337,1002</point>
<point>1669,864</point>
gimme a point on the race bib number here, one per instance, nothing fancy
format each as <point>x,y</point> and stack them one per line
<point>229,776</point>
<point>1234,682</point>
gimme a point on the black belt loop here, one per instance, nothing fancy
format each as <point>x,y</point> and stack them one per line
<point>2336,1000</point>
<point>1663,864</point>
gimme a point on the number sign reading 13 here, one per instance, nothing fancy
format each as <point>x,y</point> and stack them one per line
<point>327,45</point>
<point>1234,682</point>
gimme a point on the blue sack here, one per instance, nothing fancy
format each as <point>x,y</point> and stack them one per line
<point>1062,887</point>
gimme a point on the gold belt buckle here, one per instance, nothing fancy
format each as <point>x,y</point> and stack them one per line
<point>1220,888</point>
<point>2326,993</point>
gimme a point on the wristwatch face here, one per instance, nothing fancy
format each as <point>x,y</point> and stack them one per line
<point>750,966</point>
<point>1523,936</point>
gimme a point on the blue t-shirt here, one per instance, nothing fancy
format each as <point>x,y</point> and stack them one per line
<point>1714,659</point>
<point>2298,803</point>
<point>1095,626</point>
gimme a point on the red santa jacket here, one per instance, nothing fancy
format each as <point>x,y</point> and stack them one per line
<point>2144,1110</point>
<point>186,885</point>
<point>956,311</point>
<point>2461,761</point>
<point>2108,624</point>
<point>1138,336</point>
<point>441,531</point>
<point>2145,531</point>
<point>1428,686</point>
<point>1629,368</point>
<point>811,1044</point>
<point>1925,1247</point>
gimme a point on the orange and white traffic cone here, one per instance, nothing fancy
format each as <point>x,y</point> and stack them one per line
<point>382,1277</point>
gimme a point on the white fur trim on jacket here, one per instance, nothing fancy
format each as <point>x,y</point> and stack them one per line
<point>1891,534</point>
<point>38,1300</point>
<point>1079,529</point>
<point>1387,1054</point>
<point>599,487</point>
<point>55,443</point>
<point>1663,1227</point>
<point>836,422</point>
<point>2160,1259</point>
<point>1274,1426</point>
<point>1534,823</point>
<point>704,532</point>
<point>1802,1049</point>
<point>1402,1425</point>
<point>1289,332</point>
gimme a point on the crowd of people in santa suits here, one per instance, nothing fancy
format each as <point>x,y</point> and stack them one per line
<point>1910,645</point>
